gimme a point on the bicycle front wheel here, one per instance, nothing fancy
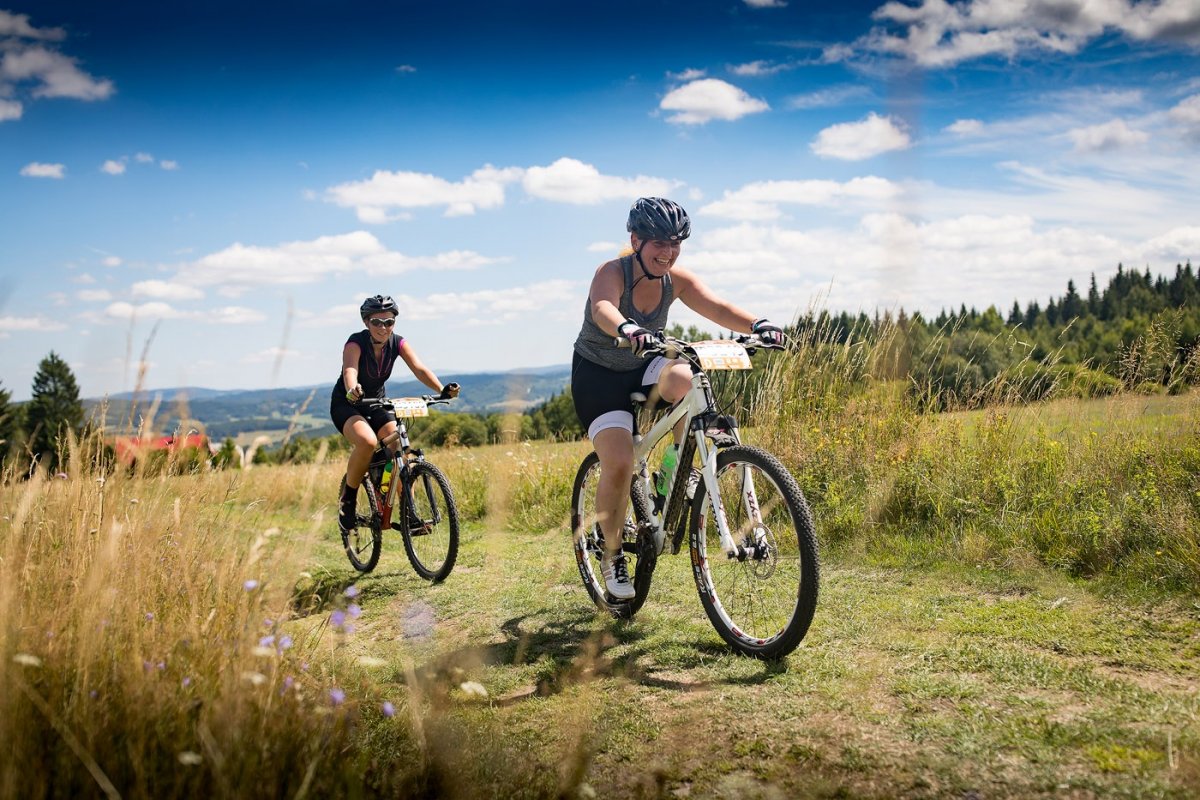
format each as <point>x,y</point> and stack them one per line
<point>429,522</point>
<point>762,600</point>
<point>589,541</point>
<point>364,544</point>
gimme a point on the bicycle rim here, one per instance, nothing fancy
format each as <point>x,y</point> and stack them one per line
<point>588,541</point>
<point>429,522</point>
<point>364,544</point>
<point>763,604</point>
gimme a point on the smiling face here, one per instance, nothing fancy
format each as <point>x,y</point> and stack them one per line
<point>380,324</point>
<point>658,255</point>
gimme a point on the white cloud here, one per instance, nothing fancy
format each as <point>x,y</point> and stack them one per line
<point>38,324</point>
<point>94,295</point>
<point>1174,247</point>
<point>269,356</point>
<point>1111,135</point>
<point>227,315</point>
<point>143,158</point>
<point>406,68</point>
<point>760,201</point>
<point>689,74</point>
<point>569,180</point>
<point>169,165</point>
<point>52,74</point>
<point>855,141</point>
<point>154,310</point>
<point>165,290</point>
<point>606,247</point>
<point>10,109</point>
<point>113,167</point>
<point>37,169</point>
<point>766,3</point>
<point>384,191</point>
<point>84,278</point>
<point>824,98</point>
<point>707,99</point>
<point>240,267</point>
<point>1187,114</point>
<point>759,68</point>
<point>111,261</point>
<point>17,25</point>
<point>965,127</point>
<point>941,34</point>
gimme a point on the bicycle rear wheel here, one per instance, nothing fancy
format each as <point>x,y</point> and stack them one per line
<point>589,542</point>
<point>428,521</point>
<point>364,544</point>
<point>761,603</point>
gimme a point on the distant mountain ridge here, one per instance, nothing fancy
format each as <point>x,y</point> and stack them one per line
<point>270,412</point>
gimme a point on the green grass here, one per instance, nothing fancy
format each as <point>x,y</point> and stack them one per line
<point>1008,609</point>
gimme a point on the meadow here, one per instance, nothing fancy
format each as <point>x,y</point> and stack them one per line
<point>1009,608</point>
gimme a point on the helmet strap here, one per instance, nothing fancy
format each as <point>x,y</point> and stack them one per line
<point>645,272</point>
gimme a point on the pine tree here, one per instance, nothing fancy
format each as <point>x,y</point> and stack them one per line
<point>55,408</point>
<point>8,422</point>
<point>1015,316</point>
<point>1093,301</point>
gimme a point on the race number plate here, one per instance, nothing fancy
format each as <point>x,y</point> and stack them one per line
<point>725,354</point>
<point>410,407</point>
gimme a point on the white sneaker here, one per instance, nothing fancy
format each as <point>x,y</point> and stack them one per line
<point>616,576</point>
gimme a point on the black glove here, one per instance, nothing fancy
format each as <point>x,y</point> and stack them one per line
<point>769,332</point>
<point>449,391</point>
<point>640,339</point>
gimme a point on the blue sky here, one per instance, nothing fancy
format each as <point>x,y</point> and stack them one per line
<point>218,185</point>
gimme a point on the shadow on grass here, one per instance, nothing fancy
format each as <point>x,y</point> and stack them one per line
<point>576,649</point>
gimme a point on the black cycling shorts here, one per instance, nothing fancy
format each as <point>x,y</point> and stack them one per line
<point>601,395</point>
<point>340,411</point>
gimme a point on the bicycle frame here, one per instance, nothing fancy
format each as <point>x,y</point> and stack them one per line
<point>401,457</point>
<point>697,403</point>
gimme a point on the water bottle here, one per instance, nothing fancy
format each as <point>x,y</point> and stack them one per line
<point>387,478</point>
<point>662,478</point>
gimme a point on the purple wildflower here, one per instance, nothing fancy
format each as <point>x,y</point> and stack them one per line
<point>149,616</point>
<point>388,709</point>
<point>338,618</point>
<point>285,642</point>
<point>186,682</point>
<point>250,585</point>
<point>337,696</point>
<point>266,641</point>
<point>351,590</point>
<point>354,611</point>
<point>348,628</point>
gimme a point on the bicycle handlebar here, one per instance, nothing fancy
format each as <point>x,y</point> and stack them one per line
<point>673,348</point>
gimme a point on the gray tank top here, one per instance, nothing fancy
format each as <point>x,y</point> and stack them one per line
<point>597,346</point>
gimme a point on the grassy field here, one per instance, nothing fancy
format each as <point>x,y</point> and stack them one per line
<point>204,635</point>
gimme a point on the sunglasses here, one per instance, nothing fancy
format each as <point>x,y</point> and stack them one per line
<point>382,322</point>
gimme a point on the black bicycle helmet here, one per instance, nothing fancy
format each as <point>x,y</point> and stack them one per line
<point>658,218</point>
<point>373,305</point>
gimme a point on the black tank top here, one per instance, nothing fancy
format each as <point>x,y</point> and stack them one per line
<point>372,372</point>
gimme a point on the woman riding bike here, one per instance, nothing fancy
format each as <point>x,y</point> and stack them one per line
<point>629,299</point>
<point>367,361</point>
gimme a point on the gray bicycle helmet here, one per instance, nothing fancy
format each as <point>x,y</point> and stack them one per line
<point>373,305</point>
<point>658,218</point>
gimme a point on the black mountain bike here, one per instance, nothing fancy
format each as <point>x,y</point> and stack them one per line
<point>402,481</point>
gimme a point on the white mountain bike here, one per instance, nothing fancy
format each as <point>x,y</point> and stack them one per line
<point>753,547</point>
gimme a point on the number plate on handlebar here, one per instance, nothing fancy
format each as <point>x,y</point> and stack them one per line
<point>410,407</point>
<point>724,354</point>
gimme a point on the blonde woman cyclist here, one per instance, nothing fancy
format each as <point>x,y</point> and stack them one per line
<point>629,299</point>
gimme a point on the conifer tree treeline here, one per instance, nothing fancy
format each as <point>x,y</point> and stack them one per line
<point>1139,331</point>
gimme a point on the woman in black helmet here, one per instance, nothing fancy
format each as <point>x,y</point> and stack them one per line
<point>629,298</point>
<point>367,361</point>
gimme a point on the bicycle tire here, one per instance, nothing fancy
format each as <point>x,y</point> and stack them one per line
<point>761,606</point>
<point>367,537</point>
<point>431,545</point>
<point>587,541</point>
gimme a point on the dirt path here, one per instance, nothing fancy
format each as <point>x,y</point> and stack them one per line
<point>945,682</point>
